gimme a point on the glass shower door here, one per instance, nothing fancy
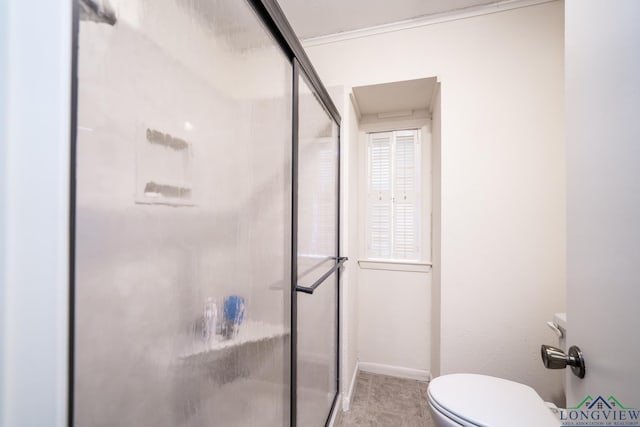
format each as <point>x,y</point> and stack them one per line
<point>317,262</point>
<point>183,216</point>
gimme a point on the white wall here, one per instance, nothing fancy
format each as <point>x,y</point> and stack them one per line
<point>349,229</point>
<point>503,213</point>
<point>378,331</point>
<point>394,320</point>
<point>394,306</point>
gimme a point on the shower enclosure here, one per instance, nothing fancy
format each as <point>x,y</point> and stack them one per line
<point>206,270</point>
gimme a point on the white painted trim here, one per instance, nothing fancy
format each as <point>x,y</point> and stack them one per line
<point>4,188</point>
<point>395,371</point>
<point>34,278</point>
<point>422,21</point>
<point>346,400</point>
<point>371,123</point>
<point>434,95</point>
<point>356,106</point>
<point>394,114</point>
<point>418,267</point>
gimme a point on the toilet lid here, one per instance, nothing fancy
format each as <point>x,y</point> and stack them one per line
<point>487,401</point>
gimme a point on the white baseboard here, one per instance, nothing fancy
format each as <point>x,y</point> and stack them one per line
<point>346,400</point>
<point>395,371</point>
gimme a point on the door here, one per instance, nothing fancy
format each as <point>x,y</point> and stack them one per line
<point>317,260</point>
<point>183,217</point>
<point>603,191</point>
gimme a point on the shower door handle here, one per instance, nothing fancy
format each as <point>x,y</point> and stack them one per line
<point>310,289</point>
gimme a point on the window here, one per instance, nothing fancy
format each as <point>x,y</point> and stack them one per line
<point>393,191</point>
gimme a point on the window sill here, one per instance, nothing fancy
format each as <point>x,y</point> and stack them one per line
<point>391,265</point>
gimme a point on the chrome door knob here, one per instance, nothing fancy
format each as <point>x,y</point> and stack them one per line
<point>554,358</point>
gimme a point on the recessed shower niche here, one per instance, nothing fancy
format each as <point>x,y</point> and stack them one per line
<point>163,169</point>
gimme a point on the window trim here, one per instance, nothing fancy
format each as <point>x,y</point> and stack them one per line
<point>394,206</point>
<point>394,265</point>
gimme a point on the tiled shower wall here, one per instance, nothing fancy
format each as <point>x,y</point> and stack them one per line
<point>208,74</point>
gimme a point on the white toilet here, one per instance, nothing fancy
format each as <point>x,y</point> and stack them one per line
<point>471,400</point>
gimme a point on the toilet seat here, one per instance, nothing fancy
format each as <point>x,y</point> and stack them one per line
<point>482,401</point>
<point>451,419</point>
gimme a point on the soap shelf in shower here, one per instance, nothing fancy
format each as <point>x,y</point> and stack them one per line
<point>250,332</point>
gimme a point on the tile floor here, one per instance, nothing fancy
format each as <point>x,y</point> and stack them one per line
<point>382,401</point>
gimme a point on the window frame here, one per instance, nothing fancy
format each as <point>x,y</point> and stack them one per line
<point>423,263</point>
<point>394,195</point>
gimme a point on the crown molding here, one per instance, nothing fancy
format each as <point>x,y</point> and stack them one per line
<point>422,21</point>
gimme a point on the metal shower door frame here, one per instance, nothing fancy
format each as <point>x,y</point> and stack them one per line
<point>275,21</point>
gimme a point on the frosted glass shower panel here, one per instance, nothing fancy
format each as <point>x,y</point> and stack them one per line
<point>317,186</point>
<point>317,255</point>
<point>317,349</point>
<point>183,216</point>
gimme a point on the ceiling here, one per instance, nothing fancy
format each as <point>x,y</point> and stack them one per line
<point>313,18</point>
<point>399,97</point>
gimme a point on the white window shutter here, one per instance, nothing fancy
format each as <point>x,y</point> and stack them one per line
<point>379,229</point>
<point>393,191</point>
<point>405,209</point>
